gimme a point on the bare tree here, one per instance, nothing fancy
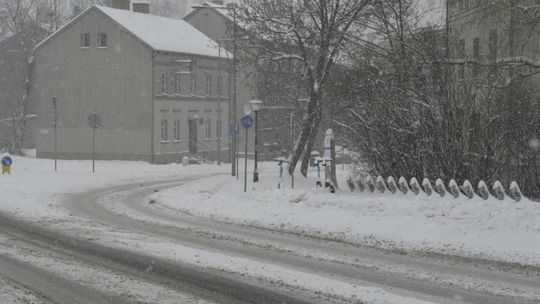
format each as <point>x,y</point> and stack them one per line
<point>311,33</point>
<point>415,112</point>
<point>28,22</point>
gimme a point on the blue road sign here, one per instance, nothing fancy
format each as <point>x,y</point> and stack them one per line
<point>247,121</point>
<point>7,161</point>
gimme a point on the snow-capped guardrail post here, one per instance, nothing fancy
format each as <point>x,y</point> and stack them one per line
<point>360,185</point>
<point>440,188</point>
<point>415,186</point>
<point>483,190</point>
<point>428,189</point>
<point>370,185</point>
<point>453,188</point>
<point>402,184</point>
<point>350,184</point>
<point>515,191</point>
<point>467,189</point>
<point>498,190</point>
<point>380,185</point>
<point>391,183</point>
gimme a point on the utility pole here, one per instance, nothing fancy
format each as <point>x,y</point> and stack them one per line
<point>233,139</point>
<point>232,117</point>
<point>220,92</point>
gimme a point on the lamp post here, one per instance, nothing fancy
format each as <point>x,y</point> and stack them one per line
<point>256,106</point>
<point>232,109</point>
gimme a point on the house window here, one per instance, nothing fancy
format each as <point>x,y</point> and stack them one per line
<point>208,129</point>
<point>163,83</point>
<point>193,84</point>
<point>85,40</point>
<point>476,56</point>
<point>102,40</point>
<point>208,85</point>
<point>218,131</point>
<point>164,130</point>
<point>219,86</point>
<point>177,83</point>
<point>177,130</point>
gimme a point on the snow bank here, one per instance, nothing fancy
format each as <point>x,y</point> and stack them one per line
<point>494,229</point>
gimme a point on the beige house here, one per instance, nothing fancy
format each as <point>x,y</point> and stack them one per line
<point>217,22</point>
<point>155,82</point>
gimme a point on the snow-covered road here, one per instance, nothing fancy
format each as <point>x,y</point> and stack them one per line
<point>116,219</point>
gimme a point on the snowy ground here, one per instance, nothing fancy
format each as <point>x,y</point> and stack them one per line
<point>34,190</point>
<point>504,230</point>
<point>15,294</point>
<point>501,230</point>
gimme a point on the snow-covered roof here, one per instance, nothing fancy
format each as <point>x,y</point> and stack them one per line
<point>164,34</point>
<point>223,10</point>
<point>158,33</point>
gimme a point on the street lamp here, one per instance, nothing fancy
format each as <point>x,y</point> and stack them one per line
<point>232,109</point>
<point>256,106</point>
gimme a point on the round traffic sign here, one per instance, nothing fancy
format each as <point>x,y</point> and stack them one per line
<point>7,161</point>
<point>94,121</point>
<point>247,121</point>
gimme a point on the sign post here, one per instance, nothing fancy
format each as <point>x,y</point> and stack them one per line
<point>94,121</point>
<point>6,165</point>
<point>55,125</point>
<point>247,123</point>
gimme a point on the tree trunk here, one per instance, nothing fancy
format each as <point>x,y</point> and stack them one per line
<point>314,101</point>
<point>311,142</point>
<point>21,122</point>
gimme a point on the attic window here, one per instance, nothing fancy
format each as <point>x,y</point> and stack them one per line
<point>85,40</point>
<point>102,40</point>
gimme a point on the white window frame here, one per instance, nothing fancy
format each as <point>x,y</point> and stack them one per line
<point>83,40</point>
<point>208,126</point>
<point>208,85</point>
<point>163,81</point>
<point>164,131</point>
<point>177,130</point>
<point>193,84</point>
<point>219,89</point>
<point>177,84</point>
<point>102,43</point>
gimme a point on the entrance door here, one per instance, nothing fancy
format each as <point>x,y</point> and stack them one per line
<point>193,149</point>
